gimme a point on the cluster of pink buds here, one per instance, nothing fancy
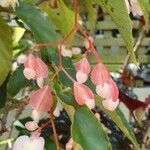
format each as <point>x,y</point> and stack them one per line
<point>40,101</point>
<point>82,93</point>
<point>105,86</point>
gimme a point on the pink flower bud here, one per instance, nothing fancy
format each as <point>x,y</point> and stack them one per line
<point>31,125</point>
<point>26,143</point>
<point>100,75</point>
<point>35,68</point>
<point>41,100</point>
<point>83,68</point>
<point>82,93</point>
<point>110,105</point>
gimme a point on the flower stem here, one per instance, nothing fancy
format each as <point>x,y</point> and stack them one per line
<point>54,130</point>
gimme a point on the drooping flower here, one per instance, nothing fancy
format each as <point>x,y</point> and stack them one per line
<point>133,6</point>
<point>7,3</point>
<point>83,95</point>
<point>29,143</point>
<point>31,125</point>
<point>35,69</point>
<point>41,101</point>
<point>83,68</point>
<point>105,86</point>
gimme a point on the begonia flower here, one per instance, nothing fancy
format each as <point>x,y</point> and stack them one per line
<point>83,68</point>
<point>36,69</point>
<point>83,95</point>
<point>41,101</point>
<point>105,86</point>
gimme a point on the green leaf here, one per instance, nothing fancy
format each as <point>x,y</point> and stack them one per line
<point>3,93</point>
<point>17,81</point>
<point>5,50</point>
<point>66,96</point>
<point>41,27</point>
<point>88,7</point>
<point>62,17</point>
<point>119,119</point>
<point>88,132</point>
<point>119,14</point>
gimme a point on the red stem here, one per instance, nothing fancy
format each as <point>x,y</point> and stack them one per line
<point>54,130</point>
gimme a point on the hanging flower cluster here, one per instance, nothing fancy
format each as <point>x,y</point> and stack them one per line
<point>100,77</point>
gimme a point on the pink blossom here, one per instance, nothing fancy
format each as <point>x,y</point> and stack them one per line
<point>83,95</point>
<point>31,125</point>
<point>100,75</point>
<point>41,101</point>
<point>105,86</point>
<point>83,68</point>
<point>35,69</point>
<point>27,143</point>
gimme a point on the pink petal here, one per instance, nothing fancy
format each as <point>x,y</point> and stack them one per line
<point>83,65</point>
<point>30,62</point>
<point>41,100</point>
<point>90,103</point>
<point>41,68</point>
<point>40,82</point>
<point>110,105</point>
<point>104,90</point>
<point>20,142</point>
<point>31,125</point>
<point>82,93</point>
<point>81,77</point>
<point>36,115</point>
<point>29,73</point>
<point>114,90</point>
<point>99,74</point>
<point>39,143</point>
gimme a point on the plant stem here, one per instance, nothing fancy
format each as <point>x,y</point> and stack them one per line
<point>54,130</point>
